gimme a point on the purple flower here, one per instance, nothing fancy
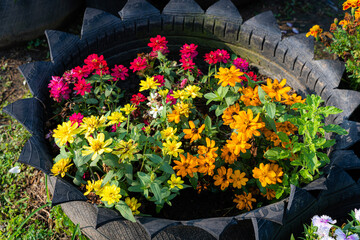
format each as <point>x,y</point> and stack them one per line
<point>323,224</point>
<point>340,235</point>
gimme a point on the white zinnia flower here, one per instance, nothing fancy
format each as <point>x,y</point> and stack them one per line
<point>15,170</point>
<point>357,214</point>
<point>155,110</point>
<point>152,99</point>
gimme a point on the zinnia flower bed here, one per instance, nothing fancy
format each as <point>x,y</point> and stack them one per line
<point>221,131</point>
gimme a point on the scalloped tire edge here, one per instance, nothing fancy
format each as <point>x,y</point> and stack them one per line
<point>258,40</point>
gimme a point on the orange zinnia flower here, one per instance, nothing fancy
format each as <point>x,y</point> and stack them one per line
<point>276,90</point>
<point>193,133</point>
<point>229,76</point>
<point>186,165</point>
<point>244,201</point>
<point>174,116</point>
<point>206,165</point>
<point>291,99</point>
<point>264,174</point>
<point>250,96</point>
<point>239,179</point>
<point>223,177</point>
<point>270,194</point>
<point>228,115</point>
<point>351,4</point>
<point>246,124</point>
<point>314,31</point>
<point>228,156</point>
<point>237,144</point>
<point>209,150</point>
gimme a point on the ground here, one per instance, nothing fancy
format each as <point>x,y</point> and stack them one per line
<point>294,16</point>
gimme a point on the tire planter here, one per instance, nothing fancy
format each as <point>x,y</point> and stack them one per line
<point>220,26</point>
<point>23,20</point>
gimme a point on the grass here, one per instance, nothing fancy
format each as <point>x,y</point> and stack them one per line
<point>23,193</point>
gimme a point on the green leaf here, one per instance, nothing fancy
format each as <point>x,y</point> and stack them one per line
<point>329,143</point>
<point>167,168</point>
<point>128,171</point>
<point>230,100</point>
<point>283,137</point>
<point>222,91</point>
<point>125,211</point>
<point>219,110</point>
<point>108,90</point>
<point>312,162</point>
<point>279,193</point>
<point>270,109</point>
<point>92,101</point>
<point>335,128</point>
<point>208,122</point>
<point>306,175</point>
<point>323,157</point>
<point>276,153</point>
<point>326,111</point>
<point>270,123</point>
<point>262,95</point>
<point>144,178</point>
<point>107,177</point>
<point>155,189</point>
<point>80,160</point>
<point>111,160</point>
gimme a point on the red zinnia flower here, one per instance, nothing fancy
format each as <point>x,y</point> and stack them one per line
<point>189,50</point>
<point>137,99</point>
<point>80,72</point>
<point>211,58</point>
<point>76,117</point>
<point>187,63</point>
<point>157,43</point>
<point>138,64</point>
<point>159,79</point>
<point>82,86</point>
<point>59,89</point>
<point>252,75</point>
<point>119,71</point>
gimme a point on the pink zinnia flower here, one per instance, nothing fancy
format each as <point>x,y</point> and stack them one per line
<point>222,55</point>
<point>211,58</point>
<point>76,117</point>
<point>189,50</point>
<point>137,99</point>
<point>138,64</point>
<point>59,89</point>
<point>241,64</point>
<point>252,75</point>
<point>183,83</point>
<point>82,86</point>
<point>159,79</point>
<point>119,71</point>
<point>187,63</point>
<point>114,127</point>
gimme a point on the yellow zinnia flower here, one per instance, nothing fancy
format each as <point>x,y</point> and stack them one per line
<point>149,83</point>
<point>163,93</point>
<point>192,133</point>
<point>92,123</point>
<point>193,91</point>
<point>133,205</point>
<point>65,133</point>
<point>183,108</point>
<point>93,186</point>
<point>128,108</point>
<point>239,179</point>
<point>264,174</point>
<point>126,150</point>
<point>172,148</point>
<point>110,194</point>
<point>244,201</point>
<point>186,165</point>
<point>115,118</point>
<point>61,167</point>
<point>97,146</point>
<point>180,94</point>
<point>228,76</point>
<point>314,31</point>
<point>175,182</point>
<point>351,4</point>
<point>169,134</point>
<point>276,90</point>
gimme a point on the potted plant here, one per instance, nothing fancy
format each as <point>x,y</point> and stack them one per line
<point>258,40</point>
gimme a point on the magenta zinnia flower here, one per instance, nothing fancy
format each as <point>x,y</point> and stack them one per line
<point>222,55</point>
<point>59,89</point>
<point>159,79</point>
<point>76,117</point>
<point>241,64</point>
<point>157,43</point>
<point>119,71</point>
<point>187,63</point>
<point>79,72</point>
<point>82,86</point>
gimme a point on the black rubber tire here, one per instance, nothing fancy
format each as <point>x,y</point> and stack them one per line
<point>221,26</point>
<point>23,20</point>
